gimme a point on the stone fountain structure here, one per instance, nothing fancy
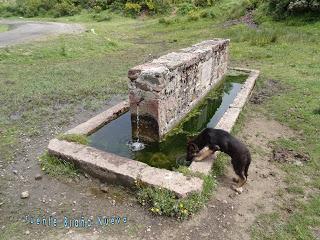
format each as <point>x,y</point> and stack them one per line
<point>165,90</point>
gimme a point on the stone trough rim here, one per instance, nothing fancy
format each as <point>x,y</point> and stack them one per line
<point>130,170</point>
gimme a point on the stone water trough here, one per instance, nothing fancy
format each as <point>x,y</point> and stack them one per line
<point>162,92</point>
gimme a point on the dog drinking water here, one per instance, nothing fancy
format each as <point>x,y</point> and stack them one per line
<point>211,140</point>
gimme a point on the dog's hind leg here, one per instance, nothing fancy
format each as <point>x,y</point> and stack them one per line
<point>239,169</point>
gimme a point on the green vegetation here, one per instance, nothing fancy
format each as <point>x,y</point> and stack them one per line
<point>3,28</point>
<point>77,138</point>
<point>56,167</point>
<point>299,226</point>
<point>162,202</point>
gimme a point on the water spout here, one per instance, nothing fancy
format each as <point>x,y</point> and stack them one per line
<point>137,145</point>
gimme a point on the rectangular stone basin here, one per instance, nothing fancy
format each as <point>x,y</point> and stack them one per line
<point>123,169</point>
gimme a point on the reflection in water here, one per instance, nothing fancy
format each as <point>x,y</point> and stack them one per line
<point>169,153</point>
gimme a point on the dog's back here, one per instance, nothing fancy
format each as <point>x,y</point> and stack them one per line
<point>228,144</point>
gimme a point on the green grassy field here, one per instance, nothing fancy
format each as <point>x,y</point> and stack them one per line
<point>44,83</point>
<point>3,28</point>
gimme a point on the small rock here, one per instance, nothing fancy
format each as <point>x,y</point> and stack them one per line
<point>225,201</point>
<point>239,190</point>
<point>263,175</point>
<point>104,188</point>
<point>27,232</point>
<point>272,173</point>
<point>298,163</point>
<point>24,194</point>
<point>38,176</point>
<point>113,202</point>
<point>15,171</point>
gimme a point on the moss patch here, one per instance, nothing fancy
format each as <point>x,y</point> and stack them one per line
<point>77,138</point>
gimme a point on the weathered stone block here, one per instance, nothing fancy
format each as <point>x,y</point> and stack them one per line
<point>163,91</point>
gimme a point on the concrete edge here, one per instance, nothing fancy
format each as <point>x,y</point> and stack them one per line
<point>230,117</point>
<point>100,120</point>
<point>124,171</point>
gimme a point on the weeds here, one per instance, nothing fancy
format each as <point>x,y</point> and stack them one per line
<point>56,167</point>
<point>163,202</point>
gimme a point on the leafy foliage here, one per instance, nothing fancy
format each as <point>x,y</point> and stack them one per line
<point>284,8</point>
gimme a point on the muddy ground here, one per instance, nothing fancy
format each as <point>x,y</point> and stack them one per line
<point>226,216</point>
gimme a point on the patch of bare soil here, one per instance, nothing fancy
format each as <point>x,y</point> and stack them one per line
<point>285,155</point>
<point>270,88</point>
<point>247,19</point>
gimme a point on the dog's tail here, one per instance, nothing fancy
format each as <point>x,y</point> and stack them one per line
<point>247,165</point>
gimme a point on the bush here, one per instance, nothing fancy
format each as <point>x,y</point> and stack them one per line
<point>193,15</point>
<point>132,9</point>
<point>65,8</point>
<point>157,6</point>
<point>7,10</point>
<point>57,8</point>
<point>185,8</point>
<point>280,9</point>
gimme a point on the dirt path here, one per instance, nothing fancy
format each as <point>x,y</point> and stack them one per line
<point>26,31</point>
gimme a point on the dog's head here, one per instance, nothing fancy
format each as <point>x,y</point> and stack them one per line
<point>192,151</point>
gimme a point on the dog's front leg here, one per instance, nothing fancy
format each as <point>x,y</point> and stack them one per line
<point>203,154</point>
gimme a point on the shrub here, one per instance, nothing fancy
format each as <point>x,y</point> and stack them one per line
<point>193,15</point>
<point>132,9</point>
<point>280,9</point>
<point>7,10</point>
<point>161,6</point>
<point>65,8</point>
<point>57,8</point>
<point>185,8</point>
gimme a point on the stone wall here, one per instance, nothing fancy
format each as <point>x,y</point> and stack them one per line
<point>166,89</point>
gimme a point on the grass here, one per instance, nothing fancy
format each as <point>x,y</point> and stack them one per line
<point>299,226</point>
<point>56,167</point>
<point>3,28</point>
<point>77,138</point>
<point>43,85</point>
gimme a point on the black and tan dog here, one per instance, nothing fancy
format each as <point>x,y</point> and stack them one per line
<point>211,140</point>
